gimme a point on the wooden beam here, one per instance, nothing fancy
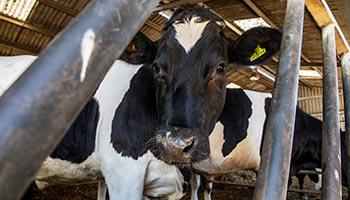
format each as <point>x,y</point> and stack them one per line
<point>323,16</point>
<point>59,7</point>
<point>178,3</point>
<point>257,11</point>
<point>28,26</point>
<point>30,50</point>
<point>318,12</point>
<point>304,64</point>
<point>154,26</point>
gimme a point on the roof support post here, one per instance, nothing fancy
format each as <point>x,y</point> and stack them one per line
<point>275,159</point>
<point>37,110</point>
<point>345,63</point>
<point>331,159</point>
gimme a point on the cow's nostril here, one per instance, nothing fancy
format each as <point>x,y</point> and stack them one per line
<point>188,145</point>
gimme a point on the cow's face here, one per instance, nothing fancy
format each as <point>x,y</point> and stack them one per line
<point>190,79</point>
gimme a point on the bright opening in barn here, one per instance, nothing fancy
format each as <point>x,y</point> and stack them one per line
<point>166,14</point>
<point>246,24</point>
<point>310,73</point>
<point>19,9</point>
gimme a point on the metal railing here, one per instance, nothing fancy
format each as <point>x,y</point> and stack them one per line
<point>273,175</point>
<point>275,161</point>
<point>37,110</point>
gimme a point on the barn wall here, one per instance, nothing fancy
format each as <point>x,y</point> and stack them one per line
<point>310,100</point>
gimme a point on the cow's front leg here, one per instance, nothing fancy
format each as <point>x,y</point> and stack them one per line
<point>124,176</point>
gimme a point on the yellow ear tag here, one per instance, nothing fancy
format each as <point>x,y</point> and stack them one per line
<point>258,52</point>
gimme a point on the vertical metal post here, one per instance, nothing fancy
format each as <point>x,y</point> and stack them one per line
<point>345,63</point>
<point>331,160</point>
<point>37,110</point>
<point>275,159</point>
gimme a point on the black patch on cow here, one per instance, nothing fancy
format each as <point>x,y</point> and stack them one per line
<point>186,173</point>
<point>307,141</point>
<point>307,144</point>
<point>234,117</point>
<point>79,142</point>
<point>135,119</point>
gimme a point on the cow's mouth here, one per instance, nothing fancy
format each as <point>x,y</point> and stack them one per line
<point>177,149</point>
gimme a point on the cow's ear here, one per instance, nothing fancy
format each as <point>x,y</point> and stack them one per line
<point>141,50</point>
<point>255,46</point>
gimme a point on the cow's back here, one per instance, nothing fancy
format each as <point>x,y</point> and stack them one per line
<point>11,67</point>
<point>77,157</point>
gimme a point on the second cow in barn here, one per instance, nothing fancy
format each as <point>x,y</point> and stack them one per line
<point>235,142</point>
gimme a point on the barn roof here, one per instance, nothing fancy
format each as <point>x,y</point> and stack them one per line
<point>21,34</point>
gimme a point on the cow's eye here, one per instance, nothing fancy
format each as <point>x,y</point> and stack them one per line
<point>156,68</point>
<point>220,68</point>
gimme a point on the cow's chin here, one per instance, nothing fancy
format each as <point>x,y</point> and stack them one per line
<point>185,161</point>
<point>179,163</point>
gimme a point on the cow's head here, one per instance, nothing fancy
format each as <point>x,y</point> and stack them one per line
<point>190,78</point>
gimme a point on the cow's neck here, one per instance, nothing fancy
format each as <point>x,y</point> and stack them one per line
<point>135,119</point>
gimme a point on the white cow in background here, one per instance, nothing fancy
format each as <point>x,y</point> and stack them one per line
<point>11,67</point>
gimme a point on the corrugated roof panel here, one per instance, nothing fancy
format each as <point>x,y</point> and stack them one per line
<point>20,52</point>
<point>31,38</point>
<point>81,4</point>
<point>66,3</point>
<point>5,50</point>
<point>8,31</point>
<point>18,9</point>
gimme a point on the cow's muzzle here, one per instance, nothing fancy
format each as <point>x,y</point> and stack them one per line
<point>177,144</point>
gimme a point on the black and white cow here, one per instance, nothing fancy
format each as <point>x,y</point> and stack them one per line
<point>235,142</point>
<point>152,116</point>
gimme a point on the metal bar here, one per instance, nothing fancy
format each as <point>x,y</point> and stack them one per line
<point>345,62</point>
<point>331,167</point>
<point>273,175</point>
<point>37,110</point>
<point>252,186</point>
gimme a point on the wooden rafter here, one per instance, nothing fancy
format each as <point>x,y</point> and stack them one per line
<point>30,50</point>
<point>323,16</point>
<point>28,26</point>
<point>154,26</point>
<point>177,4</point>
<point>60,7</point>
<point>39,29</point>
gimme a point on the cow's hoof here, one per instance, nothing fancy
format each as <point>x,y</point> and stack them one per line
<point>305,197</point>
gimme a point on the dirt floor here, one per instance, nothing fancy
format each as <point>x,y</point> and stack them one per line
<point>220,191</point>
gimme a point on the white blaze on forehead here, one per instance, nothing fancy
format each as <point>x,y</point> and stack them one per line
<point>189,32</point>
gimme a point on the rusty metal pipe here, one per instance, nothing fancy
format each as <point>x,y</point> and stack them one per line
<point>345,63</point>
<point>273,174</point>
<point>37,110</point>
<point>331,159</point>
